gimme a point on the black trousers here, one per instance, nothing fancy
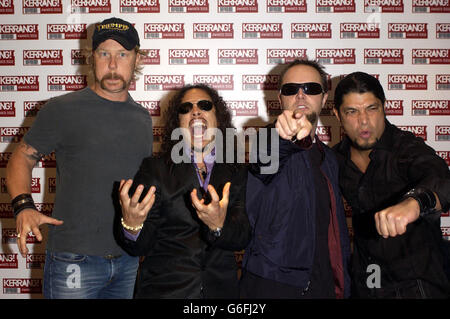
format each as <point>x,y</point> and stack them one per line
<point>252,286</point>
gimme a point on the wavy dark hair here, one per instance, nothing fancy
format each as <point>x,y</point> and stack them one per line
<point>172,120</point>
<point>358,82</point>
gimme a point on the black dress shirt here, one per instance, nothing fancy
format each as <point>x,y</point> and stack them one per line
<point>398,162</point>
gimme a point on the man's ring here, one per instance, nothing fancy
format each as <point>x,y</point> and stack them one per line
<point>18,235</point>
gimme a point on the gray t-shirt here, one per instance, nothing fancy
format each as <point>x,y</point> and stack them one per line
<point>97,143</point>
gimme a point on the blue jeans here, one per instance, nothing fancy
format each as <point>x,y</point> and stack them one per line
<point>73,276</point>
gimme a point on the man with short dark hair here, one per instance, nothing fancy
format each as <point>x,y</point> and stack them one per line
<point>396,186</point>
<point>99,135</point>
<point>300,245</point>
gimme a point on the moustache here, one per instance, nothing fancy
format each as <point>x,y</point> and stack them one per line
<point>113,76</point>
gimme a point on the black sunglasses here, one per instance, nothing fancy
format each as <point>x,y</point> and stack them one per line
<point>309,88</point>
<point>203,105</point>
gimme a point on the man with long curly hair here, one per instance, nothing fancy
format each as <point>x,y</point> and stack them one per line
<point>192,217</point>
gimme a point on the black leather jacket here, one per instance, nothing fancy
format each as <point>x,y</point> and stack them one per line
<point>182,258</point>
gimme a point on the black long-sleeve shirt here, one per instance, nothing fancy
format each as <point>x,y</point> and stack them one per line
<point>398,162</point>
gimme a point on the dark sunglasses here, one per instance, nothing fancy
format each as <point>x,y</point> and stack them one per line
<point>309,88</point>
<point>203,105</point>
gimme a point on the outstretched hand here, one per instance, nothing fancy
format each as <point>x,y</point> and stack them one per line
<point>134,212</point>
<point>213,214</point>
<point>293,124</point>
<point>28,221</point>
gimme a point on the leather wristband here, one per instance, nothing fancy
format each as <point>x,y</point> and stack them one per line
<point>21,202</point>
<point>425,198</point>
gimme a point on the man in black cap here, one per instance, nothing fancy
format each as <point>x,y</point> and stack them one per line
<point>99,135</point>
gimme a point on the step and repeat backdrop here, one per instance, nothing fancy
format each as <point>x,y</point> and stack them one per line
<point>236,46</point>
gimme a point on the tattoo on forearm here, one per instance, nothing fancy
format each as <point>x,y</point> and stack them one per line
<point>30,152</point>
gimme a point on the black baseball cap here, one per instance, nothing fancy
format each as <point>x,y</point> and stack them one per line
<point>116,29</point>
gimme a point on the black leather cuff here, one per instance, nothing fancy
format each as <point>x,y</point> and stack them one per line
<point>21,202</point>
<point>425,198</point>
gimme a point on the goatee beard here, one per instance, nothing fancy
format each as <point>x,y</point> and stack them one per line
<point>364,147</point>
<point>312,118</point>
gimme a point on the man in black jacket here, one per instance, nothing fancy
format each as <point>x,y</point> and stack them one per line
<point>193,218</point>
<point>396,186</point>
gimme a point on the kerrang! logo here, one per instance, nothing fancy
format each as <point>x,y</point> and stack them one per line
<point>22,286</point>
<point>417,130</point>
<point>336,56</point>
<point>442,30</point>
<point>360,30</point>
<point>213,31</point>
<point>431,6</point>
<point>383,56</point>
<point>17,83</point>
<point>12,134</point>
<point>262,30</point>
<point>42,6</point>
<point>78,57</point>
<point>218,82</point>
<point>407,81</point>
<point>19,32</point>
<point>66,82</point>
<point>430,107</point>
<point>243,108</point>
<point>153,107</point>
<point>8,261</point>
<point>311,30</point>
<point>152,57</point>
<point>66,31</point>
<point>237,56</point>
<point>7,57</point>
<point>164,30</point>
<point>281,56</point>
<point>7,109</point>
<point>408,30</point>
<point>442,133</point>
<point>237,6</point>
<point>6,7</point>
<point>393,107</point>
<point>31,108</point>
<point>35,261</point>
<point>324,133</point>
<point>442,81</point>
<point>42,57</point>
<point>260,82</point>
<point>163,82</point>
<point>188,56</point>
<point>431,56</point>
<point>273,107</point>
